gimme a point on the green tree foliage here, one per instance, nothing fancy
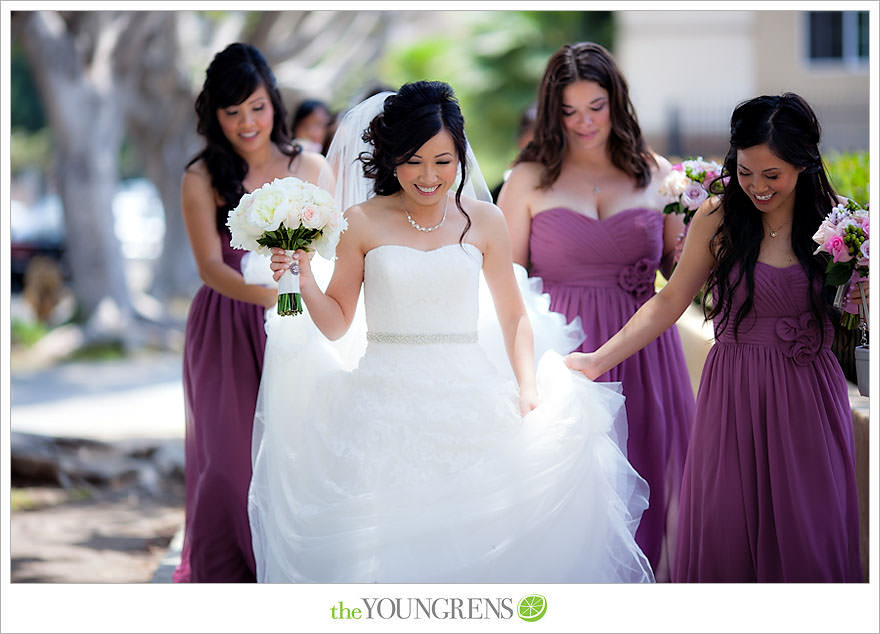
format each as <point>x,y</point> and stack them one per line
<point>26,110</point>
<point>494,60</point>
<point>848,172</point>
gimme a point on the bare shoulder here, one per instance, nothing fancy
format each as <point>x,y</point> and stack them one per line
<point>197,173</point>
<point>661,168</point>
<point>526,175</point>
<point>663,165</point>
<point>308,166</point>
<point>364,216</point>
<point>709,214</point>
<point>195,184</point>
<point>312,160</point>
<point>482,212</point>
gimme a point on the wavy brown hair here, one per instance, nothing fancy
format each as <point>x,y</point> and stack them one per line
<point>586,61</point>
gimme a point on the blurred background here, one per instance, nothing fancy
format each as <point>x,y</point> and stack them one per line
<point>102,124</point>
<point>102,120</point>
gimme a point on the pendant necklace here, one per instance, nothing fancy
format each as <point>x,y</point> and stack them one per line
<point>775,232</point>
<point>419,227</point>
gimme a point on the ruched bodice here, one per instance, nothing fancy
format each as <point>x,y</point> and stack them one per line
<point>622,251</point>
<point>397,300</point>
<point>781,316</point>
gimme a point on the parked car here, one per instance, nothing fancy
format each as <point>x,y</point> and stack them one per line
<point>35,230</point>
<point>138,221</point>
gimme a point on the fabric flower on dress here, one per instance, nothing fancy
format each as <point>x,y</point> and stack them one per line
<point>637,279</point>
<point>802,336</point>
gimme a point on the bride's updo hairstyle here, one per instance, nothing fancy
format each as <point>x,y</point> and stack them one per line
<point>233,75</point>
<point>409,118</point>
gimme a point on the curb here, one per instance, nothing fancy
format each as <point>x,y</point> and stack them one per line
<point>170,561</point>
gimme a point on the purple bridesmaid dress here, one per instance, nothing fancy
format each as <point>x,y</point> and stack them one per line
<point>769,492</point>
<point>222,364</point>
<point>603,271</point>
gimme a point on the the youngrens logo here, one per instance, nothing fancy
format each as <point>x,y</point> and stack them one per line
<point>530,608</point>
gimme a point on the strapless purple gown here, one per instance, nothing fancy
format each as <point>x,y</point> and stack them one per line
<point>222,364</point>
<point>769,490</point>
<point>603,271</point>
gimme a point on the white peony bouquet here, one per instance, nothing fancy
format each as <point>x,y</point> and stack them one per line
<point>290,214</point>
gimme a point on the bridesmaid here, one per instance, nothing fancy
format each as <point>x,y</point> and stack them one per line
<point>243,120</point>
<point>584,213</point>
<point>769,491</point>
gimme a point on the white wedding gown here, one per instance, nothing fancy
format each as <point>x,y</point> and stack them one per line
<point>416,466</point>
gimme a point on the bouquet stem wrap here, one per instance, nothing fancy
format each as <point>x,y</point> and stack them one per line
<point>289,299</point>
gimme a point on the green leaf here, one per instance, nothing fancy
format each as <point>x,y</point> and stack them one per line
<point>837,273</point>
<point>672,208</point>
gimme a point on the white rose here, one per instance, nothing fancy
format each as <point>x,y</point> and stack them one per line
<point>294,187</point>
<point>243,234</point>
<point>268,209</point>
<point>822,234</point>
<point>325,243</point>
<point>674,185</point>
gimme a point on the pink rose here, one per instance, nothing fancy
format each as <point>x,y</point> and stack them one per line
<point>838,249</point>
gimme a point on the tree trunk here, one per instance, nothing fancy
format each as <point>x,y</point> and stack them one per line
<point>165,137</point>
<point>86,121</point>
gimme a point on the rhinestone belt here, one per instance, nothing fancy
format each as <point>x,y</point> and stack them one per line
<point>458,337</point>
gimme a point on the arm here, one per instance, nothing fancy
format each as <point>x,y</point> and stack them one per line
<point>514,203</point>
<point>199,217</point>
<point>662,310</point>
<point>673,224</point>
<point>333,311</point>
<point>498,270</point>
<point>673,238</point>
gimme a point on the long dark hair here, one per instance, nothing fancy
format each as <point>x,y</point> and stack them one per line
<point>233,75</point>
<point>586,61</point>
<point>791,130</point>
<point>409,118</point>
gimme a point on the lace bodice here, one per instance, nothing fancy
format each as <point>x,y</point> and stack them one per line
<point>413,292</point>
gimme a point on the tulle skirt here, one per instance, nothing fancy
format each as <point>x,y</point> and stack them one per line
<point>415,465</point>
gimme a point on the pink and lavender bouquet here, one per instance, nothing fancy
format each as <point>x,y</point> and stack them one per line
<point>845,236</point>
<point>689,184</point>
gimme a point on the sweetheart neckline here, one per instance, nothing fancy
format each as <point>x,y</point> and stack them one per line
<point>577,213</point>
<point>409,248</point>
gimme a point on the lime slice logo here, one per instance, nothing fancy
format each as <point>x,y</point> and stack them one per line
<point>532,608</point>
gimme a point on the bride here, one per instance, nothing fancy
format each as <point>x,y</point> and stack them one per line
<point>428,461</point>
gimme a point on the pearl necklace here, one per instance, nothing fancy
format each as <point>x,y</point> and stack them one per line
<point>419,227</point>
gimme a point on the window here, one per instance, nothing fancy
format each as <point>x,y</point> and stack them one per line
<point>838,36</point>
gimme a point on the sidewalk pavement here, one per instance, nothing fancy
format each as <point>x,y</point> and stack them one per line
<point>139,397</point>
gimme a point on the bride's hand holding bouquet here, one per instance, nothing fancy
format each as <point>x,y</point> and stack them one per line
<point>285,216</point>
